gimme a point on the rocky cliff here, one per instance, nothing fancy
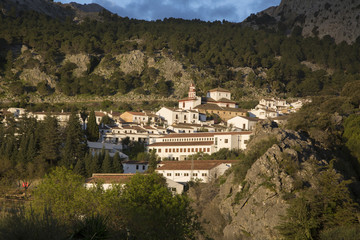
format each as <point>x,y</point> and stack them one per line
<point>339,19</point>
<point>252,207</point>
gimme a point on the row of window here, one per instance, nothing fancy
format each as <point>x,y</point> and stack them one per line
<point>186,174</point>
<point>177,116</point>
<point>188,139</point>
<point>190,150</point>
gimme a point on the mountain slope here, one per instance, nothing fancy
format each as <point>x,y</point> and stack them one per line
<point>339,19</point>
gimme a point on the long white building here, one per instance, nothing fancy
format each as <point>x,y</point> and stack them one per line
<point>179,146</point>
<point>196,170</point>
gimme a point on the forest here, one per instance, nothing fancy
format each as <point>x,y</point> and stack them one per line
<point>218,48</point>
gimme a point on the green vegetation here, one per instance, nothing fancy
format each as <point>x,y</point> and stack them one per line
<point>325,207</point>
<point>63,208</point>
<point>217,48</point>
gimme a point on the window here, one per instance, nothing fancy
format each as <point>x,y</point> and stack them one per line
<point>159,150</point>
<point>166,150</point>
<point>195,174</point>
<point>168,174</point>
<point>192,150</point>
<point>137,167</point>
<point>204,174</point>
<point>226,140</point>
<point>186,174</point>
<point>181,149</point>
<point>196,150</point>
<point>183,104</point>
<point>208,149</point>
<point>184,149</point>
<point>143,168</point>
<point>177,150</point>
<point>169,149</point>
<point>177,174</point>
<point>176,116</point>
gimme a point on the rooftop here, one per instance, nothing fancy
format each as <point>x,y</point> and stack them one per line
<point>192,165</point>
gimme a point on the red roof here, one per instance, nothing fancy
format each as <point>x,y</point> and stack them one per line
<point>109,178</point>
<point>219,90</point>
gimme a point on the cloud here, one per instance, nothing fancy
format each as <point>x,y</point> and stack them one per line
<point>207,10</point>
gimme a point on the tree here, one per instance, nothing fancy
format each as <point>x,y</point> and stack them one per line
<point>153,212</point>
<point>60,190</point>
<point>107,165</point>
<point>92,129</point>
<point>75,144</point>
<point>50,141</point>
<point>117,166</point>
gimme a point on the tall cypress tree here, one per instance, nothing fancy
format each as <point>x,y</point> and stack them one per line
<point>75,144</point>
<point>117,166</point>
<point>107,165</point>
<point>50,141</point>
<point>92,130</point>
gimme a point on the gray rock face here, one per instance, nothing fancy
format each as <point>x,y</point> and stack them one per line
<point>252,208</point>
<point>339,19</point>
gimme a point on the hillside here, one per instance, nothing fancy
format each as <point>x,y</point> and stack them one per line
<point>50,59</point>
<point>338,19</point>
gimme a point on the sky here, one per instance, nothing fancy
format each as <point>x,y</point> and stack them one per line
<point>206,10</point>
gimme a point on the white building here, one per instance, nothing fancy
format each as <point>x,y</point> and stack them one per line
<point>176,115</point>
<point>191,101</point>
<point>98,147</point>
<point>244,123</point>
<point>135,166</point>
<point>220,97</point>
<point>178,146</point>
<point>145,134</point>
<point>262,113</point>
<point>108,180</point>
<point>196,170</point>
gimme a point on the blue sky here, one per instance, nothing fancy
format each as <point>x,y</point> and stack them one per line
<point>206,10</point>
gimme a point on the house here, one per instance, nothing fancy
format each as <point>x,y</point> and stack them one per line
<point>178,146</point>
<point>135,117</point>
<point>98,147</point>
<point>191,128</point>
<point>18,112</point>
<point>220,97</point>
<point>263,113</point>
<point>109,179</point>
<point>99,116</point>
<point>225,113</point>
<point>191,101</point>
<point>194,170</point>
<point>135,166</point>
<point>177,115</point>
<point>134,132</point>
<point>244,123</point>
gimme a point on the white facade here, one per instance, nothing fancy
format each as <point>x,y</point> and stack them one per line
<point>135,166</point>
<point>263,113</point>
<point>219,93</point>
<point>178,116</point>
<point>145,134</point>
<point>180,146</point>
<point>196,170</point>
<point>244,123</point>
<point>191,101</point>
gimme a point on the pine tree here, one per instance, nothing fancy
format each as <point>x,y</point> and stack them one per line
<point>117,166</point>
<point>75,143</point>
<point>107,165</point>
<point>95,166</point>
<point>88,160</point>
<point>92,129</point>
<point>50,141</point>
<point>80,167</point>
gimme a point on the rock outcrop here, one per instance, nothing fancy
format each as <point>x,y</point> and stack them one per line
<point>338,19</point>
<point>252,208</point>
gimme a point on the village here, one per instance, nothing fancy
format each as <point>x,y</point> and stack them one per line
<point>199,125</point>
